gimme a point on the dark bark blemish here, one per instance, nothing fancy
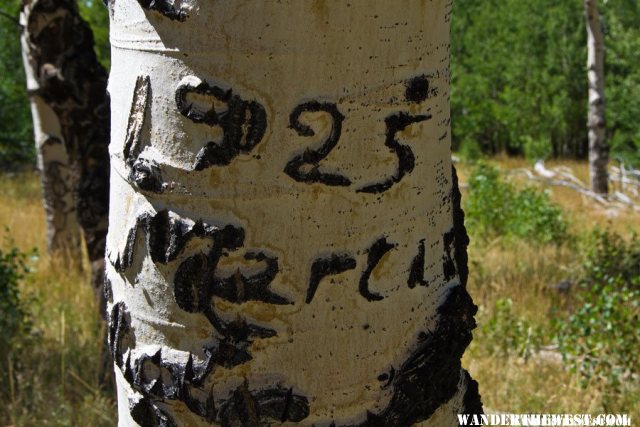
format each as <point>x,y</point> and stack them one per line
<point>322,267</point>
<point>456,240</point>
<point>263,407</point>
<point>417,89</point>
<point>374,255</point>
<point>313,157</point>
<point>146,175</point>
<point>108,290</point>
<point>137,117</point>
<point>471,402</point>
<point>243,123</point>
<point>406,160</point>
<point>238,287</point>
<point>416,272</point>
<point>387,378</point>
<point>430,376</point>
<point>191,289</point>
<point>144,412</point>
<point>448,262</point>
<point>164,8</point>
<point>120,337</point>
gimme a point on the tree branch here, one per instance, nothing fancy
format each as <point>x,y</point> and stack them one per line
<point>9,17</point>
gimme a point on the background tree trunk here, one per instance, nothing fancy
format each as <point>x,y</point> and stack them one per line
<point>67,86</point>
<point>63,230</point>
<point>598,147</point>
<point>286,242</point>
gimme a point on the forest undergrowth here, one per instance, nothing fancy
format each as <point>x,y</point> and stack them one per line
<point>556,279</point>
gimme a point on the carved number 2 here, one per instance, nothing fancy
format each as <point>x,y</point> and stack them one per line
<point>313,157</point>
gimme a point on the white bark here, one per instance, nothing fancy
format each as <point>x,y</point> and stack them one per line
<point>285,239</point>
<point>598,148</point>
<point>56,177</point>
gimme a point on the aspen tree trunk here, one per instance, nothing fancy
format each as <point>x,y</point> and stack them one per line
<point>286,243</point>
<point>598,147</point>
<point>63,230</point>
<point>71,115</point>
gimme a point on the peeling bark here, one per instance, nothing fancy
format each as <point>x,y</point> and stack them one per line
<point>67,86</point>
<point>596,124</point>
<point>286,241</point>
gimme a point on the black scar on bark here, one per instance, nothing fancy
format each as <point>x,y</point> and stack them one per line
<point>167,235</point>
<point>406,160</point>
<point>448,264</point>
<point>158,378</point>
<point>417,89</point>
<point>194,288</point>
<point>108,289</point>
<point>456,240</point>
<point>243,123</point>
<point>471,403</point>
<point>238,288</point>
<point>264,407</point>
<point>147,414</point>
<point>375,254</point>
<point>313,157</point>
<point>164,8</point>
<point>125,261</point>
<point>195,282</point>
<point>322,267</point>
<point>430,375</point>
<point>137,118</point>
<point>146,175</point>
<point>143,173</point>
<point>119,332</point>
<point>461,240</point>
<point>416,273</point>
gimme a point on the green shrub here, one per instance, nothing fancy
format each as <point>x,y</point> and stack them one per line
<point>495,207</point>
<point>600,339</point>
<point>505,333</point>
<point>536,148</point>
<point>15,322</point>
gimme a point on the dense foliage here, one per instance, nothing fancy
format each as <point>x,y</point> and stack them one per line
<point>495,207</point>
<point>519,82</point>
<point>601,337</point>
<point>16,135</point>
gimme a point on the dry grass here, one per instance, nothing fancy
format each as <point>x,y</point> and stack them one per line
<point>524,273</point>
<point>58,384</point>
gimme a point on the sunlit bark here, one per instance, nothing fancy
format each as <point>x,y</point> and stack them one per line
<point>286,243</point>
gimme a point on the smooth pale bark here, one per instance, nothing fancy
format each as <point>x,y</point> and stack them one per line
<point>286,243</point>
<point>598,147</point>
<point>70,107</point>
<point>56,178</point>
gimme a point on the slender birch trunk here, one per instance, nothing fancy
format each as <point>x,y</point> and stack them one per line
<point>598,147</point>
<point>286,243</point>
<point>70,107</point>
